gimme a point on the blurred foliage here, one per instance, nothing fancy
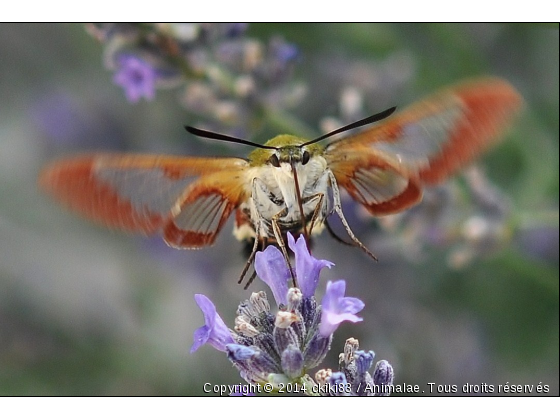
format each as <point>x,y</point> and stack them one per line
<point>89,312</point>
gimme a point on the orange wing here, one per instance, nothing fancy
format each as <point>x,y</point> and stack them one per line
<point>385,167</point>
<point>189,199</point>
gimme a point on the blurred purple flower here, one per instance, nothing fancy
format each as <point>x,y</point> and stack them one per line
<point>337,308</point>
<point>284,51</point>
<point>308,268</point>
<point>222,74</point>
<point>64,121</point>
<point>236,29</point>
<point>136,77</point>
<point>60,117</point>
<point>214,331</point>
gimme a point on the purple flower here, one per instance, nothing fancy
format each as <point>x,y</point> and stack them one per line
<point>214,331</point>
<point>336,308</point>
<point>353,377</point>
<point>281,348</point>
<point>363,360</point>
<point>307,267</point>
<point>283,51</point>
<point>271,267</point>
<point>136,77</point>
<point>241,393</point>
<point>383,376</point>
<point>238,352</point>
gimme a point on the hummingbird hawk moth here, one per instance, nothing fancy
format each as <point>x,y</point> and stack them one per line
<point>289,184</point>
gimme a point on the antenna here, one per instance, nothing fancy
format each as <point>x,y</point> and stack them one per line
<point>365,121</point>
<point>217,136</point>
<point>223,137</point>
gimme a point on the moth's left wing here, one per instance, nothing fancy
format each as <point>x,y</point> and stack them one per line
<point>187,199</point>
<point>204,208</point>
<point>385,167</point>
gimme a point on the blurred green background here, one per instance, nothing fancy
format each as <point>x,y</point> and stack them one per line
<point>86,311</point>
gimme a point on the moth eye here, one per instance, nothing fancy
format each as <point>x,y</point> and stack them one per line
<point>274,161</point>
<point>305,157</point>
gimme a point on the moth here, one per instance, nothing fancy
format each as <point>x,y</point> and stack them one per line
<point>289,184</point>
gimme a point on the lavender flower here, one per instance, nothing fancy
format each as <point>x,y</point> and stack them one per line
<point>280,348</point>
<point>229,79</point>
<point>353,379</point>
<point>136,77</point>
<point>214,331</point>
<point>337,308</point>
<point>307,267</point>
<point>272,269</point>
<point>383,376</point>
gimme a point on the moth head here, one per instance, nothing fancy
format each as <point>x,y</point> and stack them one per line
<point>284,149</point>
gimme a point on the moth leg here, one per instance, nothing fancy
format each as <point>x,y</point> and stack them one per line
<point>338,210</point>
<point>250,281</point>
<point>261,232</point>
<point>249,262</point>
<point>317,209</point>
<point>278,236</point>
<point>336,237</point>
